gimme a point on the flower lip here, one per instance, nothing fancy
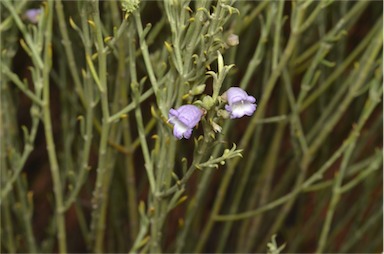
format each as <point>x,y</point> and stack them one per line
<point>239,102</point>
<point>184,119</point>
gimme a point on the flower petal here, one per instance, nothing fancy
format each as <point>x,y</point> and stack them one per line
<point>236,94</point>
<point>239,103</point>
<point>184,119</point>
<point>190,115</point>
<point>240,109</point>
<point>180,130</point>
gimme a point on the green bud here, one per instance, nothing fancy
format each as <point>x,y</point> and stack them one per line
<point>197,90</point>
<point>208,102</point>
<point>130,6</point>
<point>233,40</point>
<point>220,61</point>
<point>223,113</point>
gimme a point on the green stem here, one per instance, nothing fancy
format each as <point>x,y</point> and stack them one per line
<point>15,79</point>
<point>7,230</point>
<point>139,118</point>
<point>35,54</point>
<point>371,221</point>
<point>264,183</point>
<point>131,106</point>
<point>82,222</point>
<point>89,105</point>
<point>277,31</point>
<point>68,50</point>
<point>370,105</point>
<point>7,22</point>
<point>314,14</point>
<point>258,54</point>
<point>340,69</point>
<point>145,149</point>
<point>101,189</point>
<point>145,52</point>
<point>25,197</point>
<point>361,76</point>
<point>374,166</point>
<point>250,130</point>
<point>347,21</point>
<point>28,148</point>
<point>368,166</point>
<point>255,13</point>
<point>354,134</point>
<point>202,188</point>
<point>129,166</point>
<point>120,32</point>
<point>60,220</point>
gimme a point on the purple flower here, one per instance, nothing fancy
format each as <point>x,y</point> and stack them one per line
<point>184,120</point>
<point>239,102</point>
<point>33,15</point>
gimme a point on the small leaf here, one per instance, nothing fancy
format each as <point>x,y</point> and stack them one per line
<point>73,25</point>
<point>220,61</point>
<point>92,23</point>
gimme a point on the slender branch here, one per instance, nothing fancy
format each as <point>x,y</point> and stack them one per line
<point>57,185</point>
<point>68,49</point>
<point>100,192</point>
<point>131,106</point>
<point>247,136</point>
<point>35,54</point>
<point>337,187</point>
<point>15,79</point>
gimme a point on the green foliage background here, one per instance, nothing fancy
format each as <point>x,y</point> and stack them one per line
<point>89,162</point>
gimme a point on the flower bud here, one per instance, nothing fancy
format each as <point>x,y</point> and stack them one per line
<point>233,40</point>
<point>197,90</point>
<point>208,102</point>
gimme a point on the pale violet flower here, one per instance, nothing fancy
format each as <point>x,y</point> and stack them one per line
<point>33,15</point>
<point>184,119</point>
<point>239,102</point>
